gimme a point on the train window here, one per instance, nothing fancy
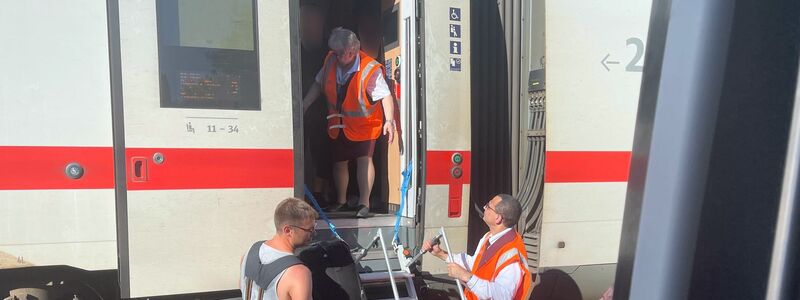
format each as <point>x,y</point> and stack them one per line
<point>390,28</point>
<point>208,54</point>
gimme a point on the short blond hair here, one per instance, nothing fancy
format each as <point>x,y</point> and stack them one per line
<point>293,211</point>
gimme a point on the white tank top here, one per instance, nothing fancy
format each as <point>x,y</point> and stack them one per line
<point>267,255</point>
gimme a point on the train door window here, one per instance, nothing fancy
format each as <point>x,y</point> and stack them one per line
<point>208,54</point>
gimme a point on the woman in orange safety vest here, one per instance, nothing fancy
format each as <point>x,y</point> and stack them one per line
<point>358,101</point>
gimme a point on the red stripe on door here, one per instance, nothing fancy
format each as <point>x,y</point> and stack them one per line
<point>586,166</point>
<point>44,168</point>
<point>441,168</point>
<point>187,168</point>
<point>440,165</point>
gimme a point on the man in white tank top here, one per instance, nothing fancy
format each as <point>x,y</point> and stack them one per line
<point>269,269</point>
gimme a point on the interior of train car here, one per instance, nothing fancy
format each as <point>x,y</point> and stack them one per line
<point>375,23</point>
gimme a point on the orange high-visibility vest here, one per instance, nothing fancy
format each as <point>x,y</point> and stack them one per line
<point>356,116</point>
<point>508,250</point>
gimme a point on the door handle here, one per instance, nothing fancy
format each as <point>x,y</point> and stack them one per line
<point>138,169</point>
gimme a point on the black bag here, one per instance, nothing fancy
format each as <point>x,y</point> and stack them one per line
<point>333,270</point>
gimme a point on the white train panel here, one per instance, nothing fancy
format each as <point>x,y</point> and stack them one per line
<point>594,61</point>
<point>55,108</point>
<point>584,243</point>
<point>197,236</point>
<point>448,127</point>
<point>55,86</point>
<point>585,202</point>
<point>595,52</point>
<point>59,227</point>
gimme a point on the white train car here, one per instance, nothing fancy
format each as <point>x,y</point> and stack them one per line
<point>580,67</point>
<point>151,140</point>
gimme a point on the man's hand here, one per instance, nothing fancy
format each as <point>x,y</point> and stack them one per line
<point>456,271</point>
<point>388,129</point>
<point>435,250</point>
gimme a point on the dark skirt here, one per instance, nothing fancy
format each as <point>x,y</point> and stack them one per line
<point>345,149</point>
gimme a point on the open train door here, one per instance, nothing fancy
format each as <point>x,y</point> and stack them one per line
<point>439,77</point>
<point>206,95</point>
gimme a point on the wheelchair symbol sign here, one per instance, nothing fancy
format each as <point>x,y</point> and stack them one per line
<point>455,14</point>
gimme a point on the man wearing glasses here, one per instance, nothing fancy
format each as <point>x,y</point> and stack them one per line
<point>358,100</point>
<point>499,269</point>
<point>270,270</point>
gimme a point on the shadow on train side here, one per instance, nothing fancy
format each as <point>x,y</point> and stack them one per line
<point>556,285</point>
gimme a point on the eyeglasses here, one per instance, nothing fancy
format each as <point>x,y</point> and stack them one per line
<point>486,206</point>
<point>311,231</point>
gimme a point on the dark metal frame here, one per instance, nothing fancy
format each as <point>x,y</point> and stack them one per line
<point>421,124</point>
<point>297,98</point>
<point>118,134</point>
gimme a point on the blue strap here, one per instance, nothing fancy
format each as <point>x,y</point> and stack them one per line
<point>321,213</point>
<point>403,194</point>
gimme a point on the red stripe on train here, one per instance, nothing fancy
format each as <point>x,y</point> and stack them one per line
<point>43,168</point>
<point>440,165</point>
<point>210,168</point>
<point>440,170</point>
<point>586,166</point>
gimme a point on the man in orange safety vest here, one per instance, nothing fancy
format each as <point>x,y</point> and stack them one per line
<point>499,269</point>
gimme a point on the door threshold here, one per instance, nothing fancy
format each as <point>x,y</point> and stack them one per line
<point>377,220</point>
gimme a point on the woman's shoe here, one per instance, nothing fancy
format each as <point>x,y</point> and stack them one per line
<point>362,211</point>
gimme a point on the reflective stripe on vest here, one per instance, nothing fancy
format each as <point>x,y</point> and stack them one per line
<point>362,87</point>
<point>334,116</point>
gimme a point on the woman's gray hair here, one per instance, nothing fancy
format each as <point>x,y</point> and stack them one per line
<point>343,39</point>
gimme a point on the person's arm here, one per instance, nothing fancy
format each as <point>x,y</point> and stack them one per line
<point>388,113</point>
<point>503,287</point>
<point>313,93</point>
<point>379,90</point>
<point>300,279</point>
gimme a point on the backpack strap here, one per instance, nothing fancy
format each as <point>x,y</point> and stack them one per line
<point>264,274</point>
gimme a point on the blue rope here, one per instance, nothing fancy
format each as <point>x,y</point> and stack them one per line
<point>321,213</point>
<point>403,194</point>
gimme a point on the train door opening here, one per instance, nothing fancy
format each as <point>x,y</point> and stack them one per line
<point>375,23</point>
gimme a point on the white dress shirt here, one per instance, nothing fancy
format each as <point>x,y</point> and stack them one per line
<point>505,283</point>
<point>376,86</point>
